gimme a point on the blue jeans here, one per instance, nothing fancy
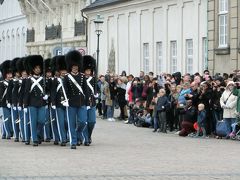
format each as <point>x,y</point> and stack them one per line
<point>77,121</point>
<point>155,123</point>
<point>15,124</point>
<point>7,122</point>
<point>37,117</point>
<point>110,111</point>
<point>62,123</point>
<point>229,122</point>
<point>91,121</point>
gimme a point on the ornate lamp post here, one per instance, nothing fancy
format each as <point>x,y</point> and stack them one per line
<point>98,25</point>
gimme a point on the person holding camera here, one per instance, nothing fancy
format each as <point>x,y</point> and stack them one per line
<point>228,102</point>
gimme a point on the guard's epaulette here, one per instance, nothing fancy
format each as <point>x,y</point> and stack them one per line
<point>14,79</point>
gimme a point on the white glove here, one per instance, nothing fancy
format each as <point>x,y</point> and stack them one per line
<point>96,95</point>
<point>14,108</point>
<point>54,107</point>
<point>8,105</point>
<point>88,107</point>
<point>45,97</point>
<point>65,103</point>
<point>19,108</point>
<point>25,110</point>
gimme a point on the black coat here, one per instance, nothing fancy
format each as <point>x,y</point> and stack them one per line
<point>35,96</point>
<point>5,92</point>
<point>162,104</point>
<point>76,98</point>
<point>121,96</point>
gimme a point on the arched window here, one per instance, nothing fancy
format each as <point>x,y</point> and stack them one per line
<point>17,32</point>
<point>3,34</point>
<point>8,34</point>
<point>23,31</point>
<point>13,33</point>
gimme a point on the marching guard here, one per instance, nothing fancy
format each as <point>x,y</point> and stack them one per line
<point>19,88</point>
<point>4,95</point>
<point>78,98</point>
<point>35,98</point>
<point>14,100</point>
<point>59,96</point>
<point>89,68</point>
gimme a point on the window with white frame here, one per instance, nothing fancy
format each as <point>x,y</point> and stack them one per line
<point>189,55</point>
<point>223,23</point>
<point>173,48</point>
<point>159,58</point>
<point>146,57</point>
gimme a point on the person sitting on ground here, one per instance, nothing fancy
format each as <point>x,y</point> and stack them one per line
<point>189,118</point>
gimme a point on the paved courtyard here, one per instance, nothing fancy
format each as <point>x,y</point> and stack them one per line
<point>120,152</point>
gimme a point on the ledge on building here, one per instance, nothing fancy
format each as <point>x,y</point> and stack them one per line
<point>222,51</point>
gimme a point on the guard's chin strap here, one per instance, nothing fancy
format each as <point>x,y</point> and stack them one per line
<point>74,73</point>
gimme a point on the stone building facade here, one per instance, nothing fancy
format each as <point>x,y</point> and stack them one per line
<point>159,36</point>
<point>46,26</point>
<point>13,27</point>
<point>223,35</point>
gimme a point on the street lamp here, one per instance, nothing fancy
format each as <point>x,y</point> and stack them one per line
<point>98,29</point>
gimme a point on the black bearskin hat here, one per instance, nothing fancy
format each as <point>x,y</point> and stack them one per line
<point>13,65</point>
<point>33,61</point>
<point>53,64</point>
<point>89,63</point>
<point>73,58</point>
<point>20,65</point>
<point>60,63</point>
<point>25,64</point>
<point>47,65</point>
<point>5,68</point>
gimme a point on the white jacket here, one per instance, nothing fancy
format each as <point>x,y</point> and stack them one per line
<point>231,104</point>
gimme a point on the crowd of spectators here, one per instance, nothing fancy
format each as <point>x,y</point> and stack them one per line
<point>188,105</point>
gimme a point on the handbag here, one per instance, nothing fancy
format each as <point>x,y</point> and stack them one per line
<point>221,128</point>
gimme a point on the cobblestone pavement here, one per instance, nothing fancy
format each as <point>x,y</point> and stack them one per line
<point>122,152</point>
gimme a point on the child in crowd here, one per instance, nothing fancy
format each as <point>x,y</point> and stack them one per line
<point>161,107</point>
<point>201,120</point>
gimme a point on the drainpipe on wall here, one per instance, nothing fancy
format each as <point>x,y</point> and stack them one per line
<point>207,36</point>
<point>86,28</point>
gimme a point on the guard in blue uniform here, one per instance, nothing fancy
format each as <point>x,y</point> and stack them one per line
<point>5,93</point>
<point>35,98</point>
<point>58,97</point>
<point>18,98</point>
<point>51,113</point>
<point>13,99</point>
<point>89,68</point>
<point>26,119</point>
<point>48,123</point>
<point>78,97</point>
